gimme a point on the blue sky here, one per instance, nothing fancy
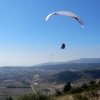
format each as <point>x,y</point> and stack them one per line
<point>27,39</point>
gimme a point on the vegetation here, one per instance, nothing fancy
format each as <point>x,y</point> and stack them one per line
<point>72,76</point>
<point>64,77</point>
<point>56,84</point>
<point>58,93</point>
<point>67,87</point>
<point>34,97</point>
<point>9,98</point>
<point>84,92</point>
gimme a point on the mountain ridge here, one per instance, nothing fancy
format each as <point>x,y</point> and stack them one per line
<point>81,60</point>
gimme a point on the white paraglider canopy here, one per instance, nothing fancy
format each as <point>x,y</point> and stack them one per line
<point>36,76</point>
<point>66,13</point>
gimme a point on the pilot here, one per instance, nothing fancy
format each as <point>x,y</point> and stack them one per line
<point>63,46</point>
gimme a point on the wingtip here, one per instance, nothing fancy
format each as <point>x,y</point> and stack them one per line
<point>46,19</point>
<point>82,26</point>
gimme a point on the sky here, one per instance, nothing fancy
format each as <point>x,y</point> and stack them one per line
<point>27,39</point>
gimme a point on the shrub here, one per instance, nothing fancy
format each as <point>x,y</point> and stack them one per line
<point>76,90</point>
<point>93,94</point>
<point>84,86</point>
<point>9,98</point>
<point>67,87</point>
<point>58,93</point>
<point>80,97</point>
<point>92,82</point>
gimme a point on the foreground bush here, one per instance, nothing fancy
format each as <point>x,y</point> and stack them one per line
<point>67,87</point>
<point>76,90</point>
<point>9,98</point>
<point>80,97</point>
<point>58,93</point>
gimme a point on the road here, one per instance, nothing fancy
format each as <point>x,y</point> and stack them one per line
<point>33,89</point>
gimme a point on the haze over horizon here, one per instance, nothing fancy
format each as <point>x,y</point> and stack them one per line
<point>27,39</point>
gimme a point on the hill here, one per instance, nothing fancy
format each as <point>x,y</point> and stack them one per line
<point>72,76</point>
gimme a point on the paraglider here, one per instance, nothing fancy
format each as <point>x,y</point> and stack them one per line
<point>63,46</point>
<point>51,55</point>
<point>66,13</point>
<point>36,77</point>
<point>69,14</point>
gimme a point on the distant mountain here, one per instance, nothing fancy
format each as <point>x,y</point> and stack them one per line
<point>43,64</point>
<point>85,60</point>
<point>82,60</point>
<point>67,66</point>
<point>79,64</point>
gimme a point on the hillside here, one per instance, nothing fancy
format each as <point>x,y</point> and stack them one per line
<point>72,76</point>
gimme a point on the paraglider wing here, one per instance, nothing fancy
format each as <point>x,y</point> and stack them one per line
<point>36,76</point>
<point>51,54</point>
<point>69,14</point>
<point>54,13</point>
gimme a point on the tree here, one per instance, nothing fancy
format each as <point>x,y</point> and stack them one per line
<point>84,86</point>
<point>92,82</point>
<point>58,93</point>
<point>9,98</point>
<point>67,87</point>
